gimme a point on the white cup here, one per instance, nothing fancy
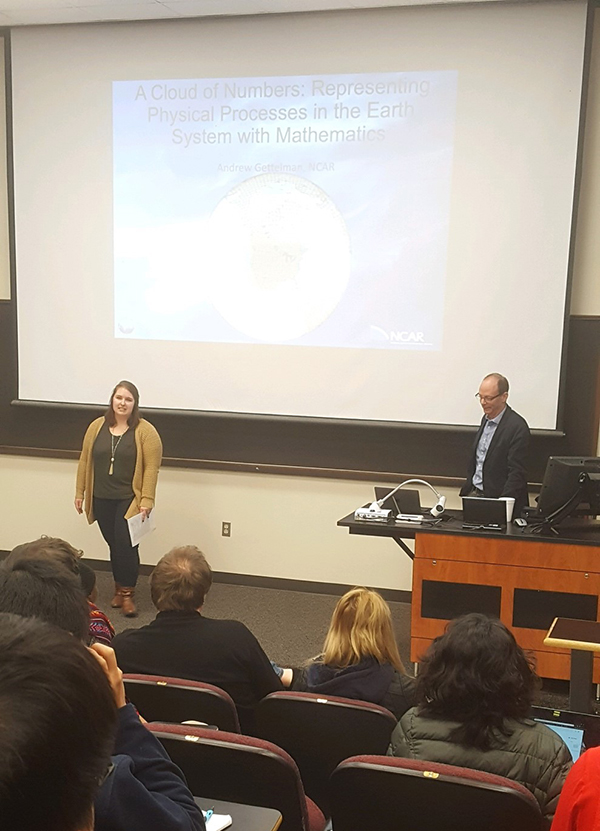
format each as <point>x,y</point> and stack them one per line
<point>510,506</point>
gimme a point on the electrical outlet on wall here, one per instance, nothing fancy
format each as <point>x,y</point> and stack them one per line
<point>226,529</point>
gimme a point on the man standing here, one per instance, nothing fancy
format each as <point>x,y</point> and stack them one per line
<point>498,460</point>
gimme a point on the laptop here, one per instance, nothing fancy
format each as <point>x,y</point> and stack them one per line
<point>405,501</point>
<point>479,512</point>
<point>579,731</point>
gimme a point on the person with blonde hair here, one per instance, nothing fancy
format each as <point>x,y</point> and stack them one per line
<point>360,658</point>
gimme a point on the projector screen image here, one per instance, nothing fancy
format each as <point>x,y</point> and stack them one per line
<point>284,210</point>
<point>355,214</point>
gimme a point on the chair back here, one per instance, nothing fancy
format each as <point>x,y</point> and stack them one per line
<point>381,793</point>
<point>160,698</point>
<point>320,731</point>
<point>236,768</point>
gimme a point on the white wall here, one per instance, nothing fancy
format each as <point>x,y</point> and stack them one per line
<point>282,526</point>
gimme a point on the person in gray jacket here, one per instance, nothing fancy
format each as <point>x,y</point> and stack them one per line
<point>475,689</point>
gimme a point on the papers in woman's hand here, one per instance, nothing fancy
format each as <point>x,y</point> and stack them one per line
<point>139,527</point>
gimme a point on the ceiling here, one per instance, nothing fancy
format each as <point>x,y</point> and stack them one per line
<point>33,12</point>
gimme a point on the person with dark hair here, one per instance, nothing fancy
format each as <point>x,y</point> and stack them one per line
<point>144,790</point>
<point>116,479</point>
<point>62,552</point>
<point>475,688</point>
<point>46,590</point>
<point>101,629</point>
<point>57,725</point>
<point>181,642</point>
<point>498,462</point>
<point>55,548</point>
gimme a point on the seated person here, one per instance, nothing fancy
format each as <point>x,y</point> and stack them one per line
<point>46,590</point>
<point>61,551</point>
<point>101,629</point>
<point>475,688</point>
<point>579,803</point>
<point>143,790</point>
<point>360,656</point>
<point>51,763</point>
<point>181,642</point>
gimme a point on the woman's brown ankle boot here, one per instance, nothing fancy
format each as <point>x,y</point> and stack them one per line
<point>127,604</point>
<point>117,600</point>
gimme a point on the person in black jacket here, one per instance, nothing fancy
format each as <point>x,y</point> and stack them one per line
<point>182,643</point>
<point>497,466</point>
<point>360,658</point>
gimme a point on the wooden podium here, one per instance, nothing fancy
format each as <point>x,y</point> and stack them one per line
<point>523,582</point>
<point>524,579</point>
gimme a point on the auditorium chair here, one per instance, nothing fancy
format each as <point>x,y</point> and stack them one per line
<point>319,731</point>
<point>160,698</point>
<point>382,793</point>
<point>235,768</point>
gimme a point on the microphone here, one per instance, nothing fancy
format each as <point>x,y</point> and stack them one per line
<point>376,512</point>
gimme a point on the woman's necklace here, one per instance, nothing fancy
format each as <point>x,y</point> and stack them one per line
<point>113,450</point>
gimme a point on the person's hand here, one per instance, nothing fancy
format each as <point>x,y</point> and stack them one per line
<point>78,505</point>
<point>108,661</point>
<point>145,512</point>
<point>287,677</point>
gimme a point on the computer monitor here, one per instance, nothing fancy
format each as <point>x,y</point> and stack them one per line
<point>571,487</point>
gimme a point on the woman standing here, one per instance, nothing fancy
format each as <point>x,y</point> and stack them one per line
<point>116,479</point>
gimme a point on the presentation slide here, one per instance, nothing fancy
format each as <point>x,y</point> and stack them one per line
<point>286,209</point>
<point>355,214</point>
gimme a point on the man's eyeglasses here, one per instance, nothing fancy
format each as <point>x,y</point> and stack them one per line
<point>487,399</point>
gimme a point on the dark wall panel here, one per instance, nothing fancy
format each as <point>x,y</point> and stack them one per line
<point>344,447</point>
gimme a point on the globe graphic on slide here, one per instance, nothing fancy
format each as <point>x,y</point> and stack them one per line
<point>280,256</point>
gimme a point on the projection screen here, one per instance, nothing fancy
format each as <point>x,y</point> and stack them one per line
<point>351,214</point>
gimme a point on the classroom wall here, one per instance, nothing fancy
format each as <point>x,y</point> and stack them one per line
<point>282,526</point>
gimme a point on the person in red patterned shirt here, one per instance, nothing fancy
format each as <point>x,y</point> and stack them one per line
<point>101,629</point>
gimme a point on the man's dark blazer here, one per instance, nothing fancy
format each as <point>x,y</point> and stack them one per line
<point>504,468</point>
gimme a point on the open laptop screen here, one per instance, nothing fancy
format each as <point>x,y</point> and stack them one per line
<point>572,736</point>
<point>405,501</point>
<point>579,731</point>
<point>486,512</point>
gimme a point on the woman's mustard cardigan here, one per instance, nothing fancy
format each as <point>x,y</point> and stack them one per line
<point>145,474</point>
